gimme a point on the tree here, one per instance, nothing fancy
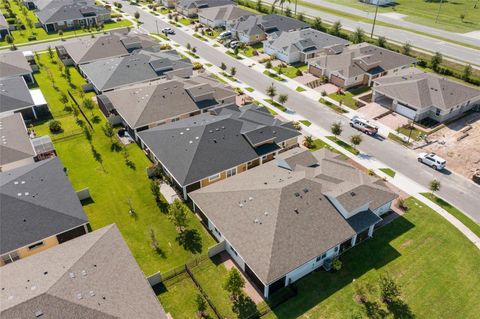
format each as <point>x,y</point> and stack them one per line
<point>308,141</point>
<point>272,91</point>
<point>194,49</point>
<point>137,15</point>
<point>55,126</point>
<point>406,48</point>
<point>317,24</point>
<point>233,71</point>
<point>234,283</point>
<point>467,72</point>
<point>50,52</point>
<point>258,6</point>
<point>154,241</point>
<point>68,75</point>
<point>155,189</point>
<point>382,41</point>
<point>201,305</point>
<point>288,12</point>
<point>223,66</point>
<point>390,291</point>
<point>189,46</point>
<point>434,185</point>
<point>301,16</point>
<point>9,40</point>
<point>336,129</point>
<point>178,215</point>
<point>436,60</point>
<point>283,98</point>
<point>88,104</point>
<point>63,98</point>
<point>60,33</point>
<point>356,139</point>
<point>335,28</point>
<point>358,35</point>
<point>268,65</point>
<point>108,130</point>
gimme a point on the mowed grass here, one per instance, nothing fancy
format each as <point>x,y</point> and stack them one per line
<point>113,185</point>
<point>40,33</point>
<point>343,144</point>
<point>390,172</point>
<point>434,264</point>
<point>425,12</point>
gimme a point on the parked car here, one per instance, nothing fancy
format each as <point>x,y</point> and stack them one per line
<point>234,44</point>
<point>168,31</point>
<point>363,125</point>
<point>432,160</point>
<point>224,35</point>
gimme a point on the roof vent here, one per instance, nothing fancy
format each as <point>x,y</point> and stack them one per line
<point>352,194</point>
<point>250,198</point>
<point>256,221</point>
<point>305,190</point>
<point>72,275</point>
<point>38,313</point>
<point>79,296</point>
<point>297,194</point>
<point>296,211</point>
<point>266,213</point>
<point>84,272</point>
<point>92,293</point>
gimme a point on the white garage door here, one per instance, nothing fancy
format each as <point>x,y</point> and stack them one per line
<point>405,111</point>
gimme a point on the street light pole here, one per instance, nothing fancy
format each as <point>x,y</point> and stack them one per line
<point>156,23</point>
<point>374,19</point>
<point>296,7</point>
<point>411,128</point>
<point>439,8</point>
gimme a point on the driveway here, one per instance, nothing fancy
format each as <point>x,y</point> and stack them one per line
<point>373,111</point>
<point>394,120</point>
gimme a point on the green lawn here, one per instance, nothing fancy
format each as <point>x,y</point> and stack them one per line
<point>273,76</point>
<point>249,89</point>
<point>276,104</point>
<point>332,106</point>
<point>435,265</point>
<point>305,122</point>
<point>390,172</point>
<point>398,139</point>
<point>345,99</point>
<point>319,144</point>
<point>300,89</point>
<point>233,55</point>
<point>467,221</point>
<point>184,21</point>
<point>40,33</point>
<point>346,146</point>
<point>198,36</point>
<point>291,71</point>
<point>113,184</point>
<point>425,12</point>
<point>415,134</point>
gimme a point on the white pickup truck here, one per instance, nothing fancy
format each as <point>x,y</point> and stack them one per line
<point>363,125</point>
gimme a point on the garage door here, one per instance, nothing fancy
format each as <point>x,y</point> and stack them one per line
<point>405,111</point>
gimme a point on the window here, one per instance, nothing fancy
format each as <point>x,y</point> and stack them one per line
<point>6,259</point>
<point>218,232</point>
<point>437,112</point>
<point>36,245</point>
<point>213,177</point>
<point>321,257</point>
<point>232,172</point>
<point>234,251</point>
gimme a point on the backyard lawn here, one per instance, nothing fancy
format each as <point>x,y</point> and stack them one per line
<point>434,264</point>
<point>40,33</point>
<point>346,97</point>
<point>115,187</point>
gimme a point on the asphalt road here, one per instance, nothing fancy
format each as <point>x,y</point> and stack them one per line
<point>456,189</point>
<point>449,49</point>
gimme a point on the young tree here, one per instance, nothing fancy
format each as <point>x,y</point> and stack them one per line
<point>55,126</point>
<point>155,189</point>
<point>234,283</point>
<point>194,49</point>
<point>390,291</point>
<point>335,28</point>
<point>282,99</point>
<point>467,72</point>
<point>434,185</point>
<point>137,15</point>
<point>258,5</point>
<point>9,40</point>
<point>60,33</point>
<point>223,66</point>
<point>189,46</point>
<point>358,35</point>
<point>63,98</point>
<point>178,215</point>
<point>108,130</point>
<point>407,48</point>
<point>356,139</point>
<point>336,129</point>
<point>288,12</point>
<point>154,241</point>
<point>201,305</point>
<point>233,71</point>
<point>88,104</point>
<point>381,41</point>
<point>436,61</point>
<point>268,65</point>
<point>317,24</point>
<point>50,52</point>
<point>68,75</point>
<point>272,91</point>
<point>301,16</point>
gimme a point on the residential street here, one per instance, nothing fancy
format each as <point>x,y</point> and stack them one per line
<point>430,44</point>
<point>456,189</point>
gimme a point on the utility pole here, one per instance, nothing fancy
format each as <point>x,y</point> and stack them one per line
<point>156,23</point>
<point>296,7</point>
<point>439,8</point>
<point>374,19</point>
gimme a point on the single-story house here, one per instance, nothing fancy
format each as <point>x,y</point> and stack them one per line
<point>115,44</point>
<point>16,97</point>
<point>93,276</point>
<point>147,105</point>
<point>255,29</point>
<point>40,209</point>
<point>36,4</point>
<point>207,148</point>
<point>140,66</point>
<point>222,16</point>
<point>301,45</point>
<point>4,27</point>
<point>284,219</point>
<point>359,64</point>
<point>16,148</point>
<point>190,8</point>
<point>417,95</point>
<point>168,3</point>
<point>71,14</point>
<point>14,64</point>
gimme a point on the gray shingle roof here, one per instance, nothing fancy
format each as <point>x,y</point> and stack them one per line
<point>270,23</point>
<point>92,276</point>
<point>14,95</point>
<point>422,90</point>
<point>186,4</point>
<point>88,49</point>
<point>154,102</point>
<point>62,10</point>
<point>38,201</point>
<point>13,64</point>
<point>224,13</point>
<point>305,40</point>
<point>277,218</point>
<point>362,58</point>
<point>198,147</point>
<point>137,67</point>
<point>3,21</point>
<point>15,144</point>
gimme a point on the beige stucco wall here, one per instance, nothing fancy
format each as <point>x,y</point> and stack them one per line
<point>47,243</point>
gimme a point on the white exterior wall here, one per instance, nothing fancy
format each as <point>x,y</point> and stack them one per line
<point>383,209</point>
<point>235,256</point>
<point>210,23</point>
<point>287,57</point>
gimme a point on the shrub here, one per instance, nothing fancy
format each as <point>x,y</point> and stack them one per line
<point>336,264</point>
<point>55,126</point>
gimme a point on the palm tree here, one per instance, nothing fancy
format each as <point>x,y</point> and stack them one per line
<point>381,41</point>
<point>336,129</point>
<point>358,35</point>
<point>317,24</point>
<point>308,142</point>
<point>335,28</point>
<point>282,3</point>
<point>406,48</point>
<point>272,91</point>
<point>283,98</point>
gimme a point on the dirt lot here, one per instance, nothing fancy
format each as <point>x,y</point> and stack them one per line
<point>462,155</point>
